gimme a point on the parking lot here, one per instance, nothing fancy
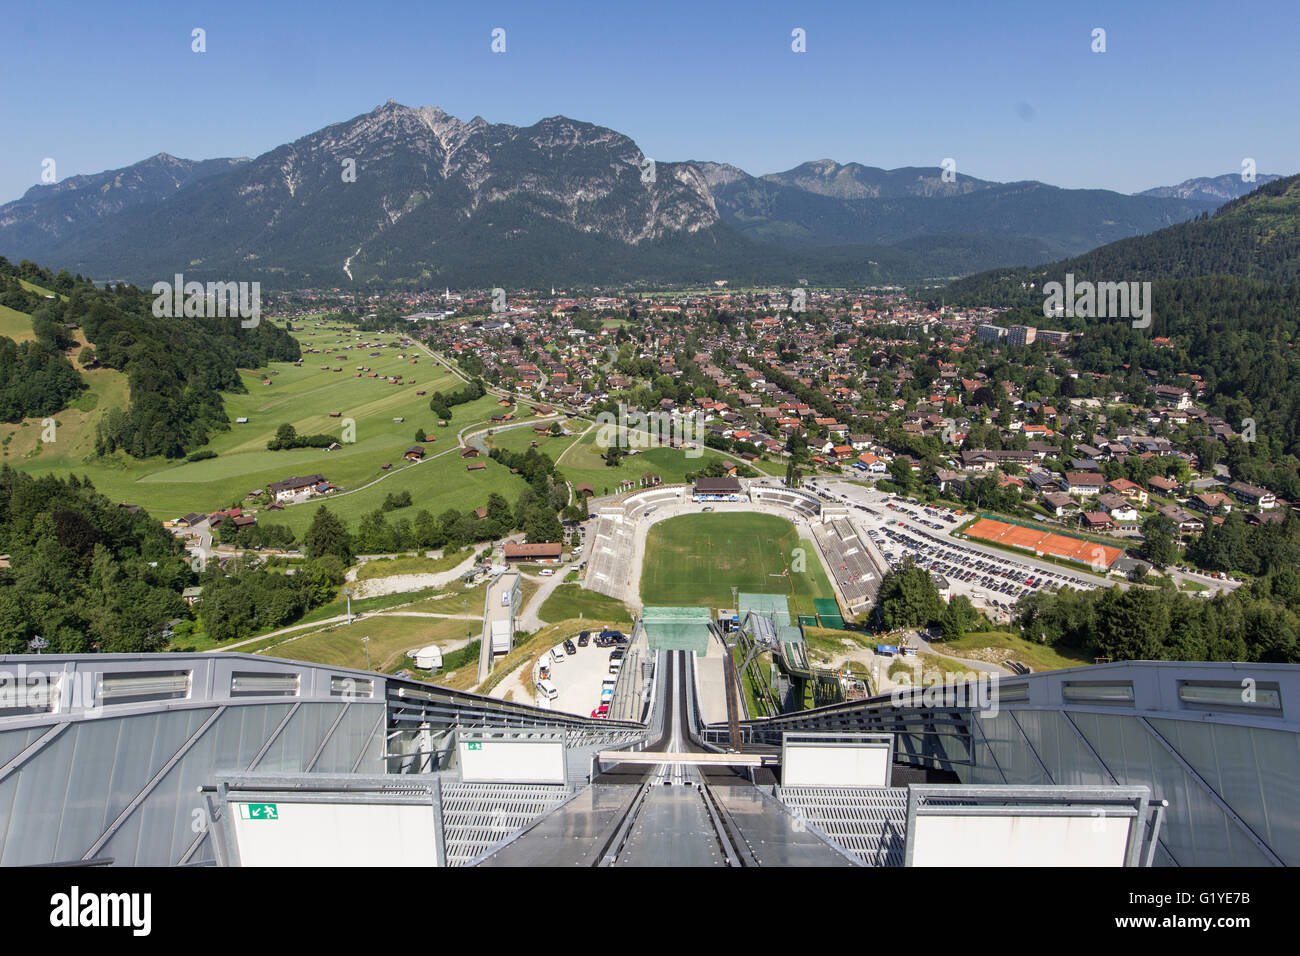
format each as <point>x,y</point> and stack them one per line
<point>897,528</point>
<point>578,677</point>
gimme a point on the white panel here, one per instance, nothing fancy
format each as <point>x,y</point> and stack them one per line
<point>336,834</point>
<point>806,765</point>
<point>1005,840</point>
<point>511,761</point>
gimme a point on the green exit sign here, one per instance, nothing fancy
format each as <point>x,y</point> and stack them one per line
<point>258,811</point>
<point>474,746</point>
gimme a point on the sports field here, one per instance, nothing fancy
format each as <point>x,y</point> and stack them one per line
<point>694,560</point>
<point>1044,542</point>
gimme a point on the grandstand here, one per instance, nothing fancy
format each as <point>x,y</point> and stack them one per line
<point>610,558</point>
<point>638,504</point>
<point>718,489</point>
<point>850,562</point>
<point>801,502</point>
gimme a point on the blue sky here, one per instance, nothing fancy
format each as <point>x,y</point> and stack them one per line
<point>1009,90</point>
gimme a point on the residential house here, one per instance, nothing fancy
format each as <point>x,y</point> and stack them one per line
<point>1083,483</point>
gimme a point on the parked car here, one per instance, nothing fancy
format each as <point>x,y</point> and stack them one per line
<point>601,711</point>
<point>584,638</point>
<point>546,572</point>
<point>617,654</point>
<point>570,647</point>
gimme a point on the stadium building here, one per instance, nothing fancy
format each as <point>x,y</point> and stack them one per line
<point>718,489</point>
<point>234,759</point>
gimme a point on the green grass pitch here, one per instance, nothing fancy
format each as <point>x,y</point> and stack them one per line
<point>694,560</point>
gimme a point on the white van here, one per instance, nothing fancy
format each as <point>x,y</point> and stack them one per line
<point>547,690</point>
<point>557,652</point>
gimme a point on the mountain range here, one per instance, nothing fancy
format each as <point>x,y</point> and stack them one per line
<point>404,196</point>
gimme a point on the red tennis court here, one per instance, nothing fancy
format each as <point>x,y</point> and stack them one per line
<point>1044,542</point>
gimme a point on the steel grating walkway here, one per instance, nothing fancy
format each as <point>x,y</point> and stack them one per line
<point>869,822</point>
<point>476,816</point>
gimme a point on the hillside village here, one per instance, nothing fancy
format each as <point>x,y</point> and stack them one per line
<point>923,396</point>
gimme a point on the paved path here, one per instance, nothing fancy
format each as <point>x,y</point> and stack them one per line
<point>527,619</point>
<point>520,681</point>
<point>983,666</point>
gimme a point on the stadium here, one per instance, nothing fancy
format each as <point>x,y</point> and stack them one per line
<point>194,759</point>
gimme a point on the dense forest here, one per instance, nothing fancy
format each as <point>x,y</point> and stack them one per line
<point>1257,622</point>
<point>85,574</point>
<point>35,380</point>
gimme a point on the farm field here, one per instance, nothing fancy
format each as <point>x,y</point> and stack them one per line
<point>521,439</point>
<point>15,325</point>
<point>303,396</point>
<point>436,484</point>
<point>697,560</point>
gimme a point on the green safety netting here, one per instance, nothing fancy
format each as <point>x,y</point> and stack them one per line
<point>677,628</point>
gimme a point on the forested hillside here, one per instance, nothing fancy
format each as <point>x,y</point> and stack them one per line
<point>85,574</point>
<point>176,368</point>
<point>1254,237</point>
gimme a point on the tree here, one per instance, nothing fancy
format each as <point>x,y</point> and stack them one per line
<point>1158,544</point>
<point>958,617</point>
<point>908,598</point>
<point>900,469</point>
<point>327,536</point>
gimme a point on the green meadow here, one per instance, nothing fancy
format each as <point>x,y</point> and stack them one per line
<point>303,396</point>
<point>697,559</point>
